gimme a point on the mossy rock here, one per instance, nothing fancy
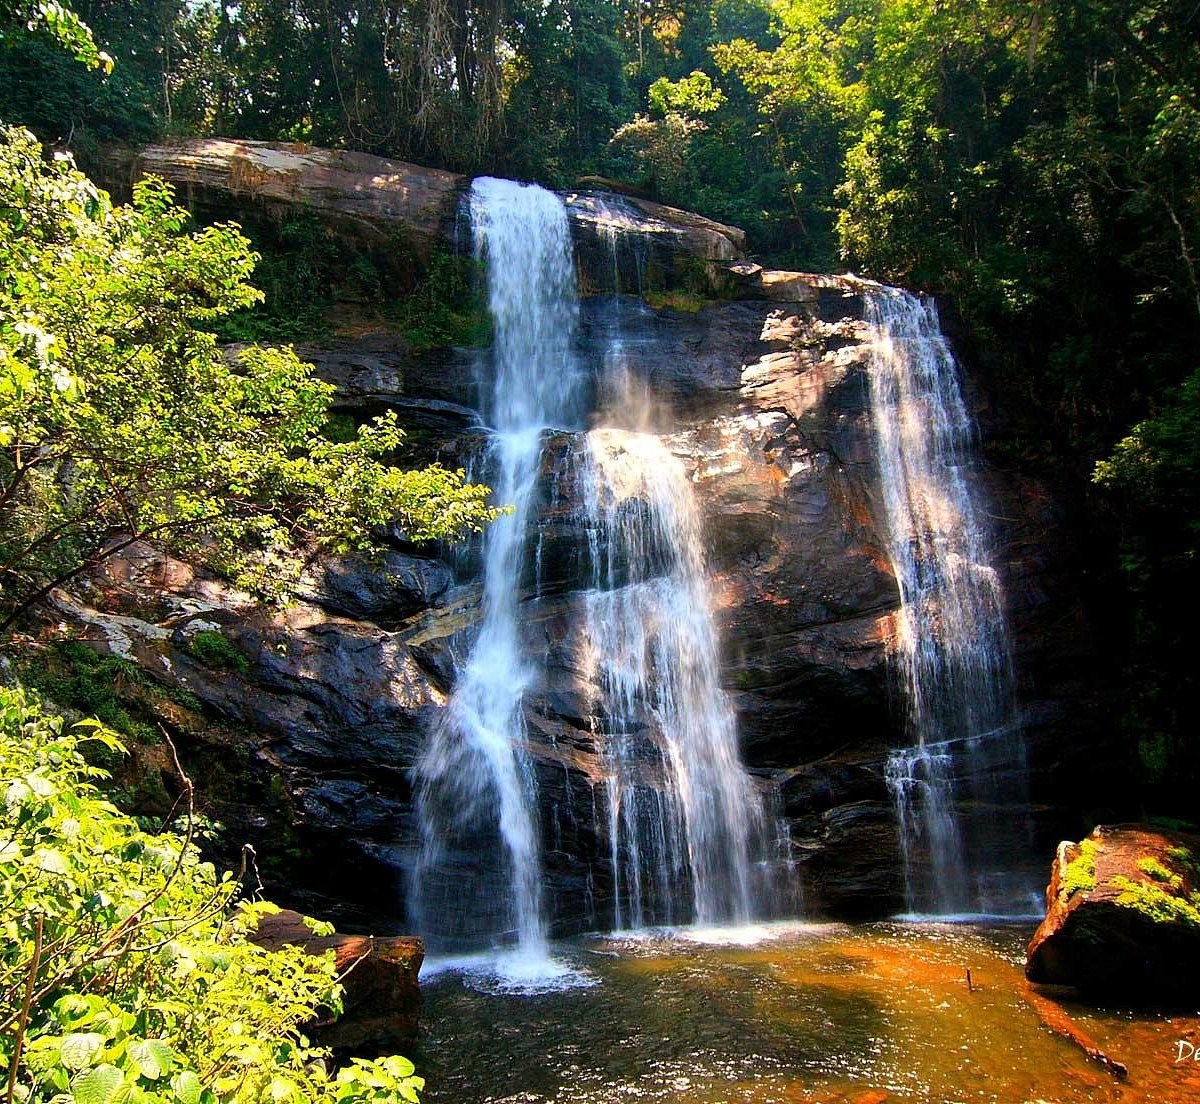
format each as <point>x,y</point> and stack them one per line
<point>1123,916</point>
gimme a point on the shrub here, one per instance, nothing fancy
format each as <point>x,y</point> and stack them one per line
<point>126,973</point>
<point>214,649</point>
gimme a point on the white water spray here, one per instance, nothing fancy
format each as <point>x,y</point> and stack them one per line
<point>475,777</point>
<point>684,817</point>
<point>953,641</point>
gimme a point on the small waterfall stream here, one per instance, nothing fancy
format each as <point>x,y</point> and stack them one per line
<point>474,777</point>
<point>684,819</point>
<point>953,641</point>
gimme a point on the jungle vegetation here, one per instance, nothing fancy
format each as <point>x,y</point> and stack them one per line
<point>1034,163</point>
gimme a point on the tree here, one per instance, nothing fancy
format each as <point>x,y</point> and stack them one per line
<point>58,23</point>
<point>126,972</point>
<point>121,419</point>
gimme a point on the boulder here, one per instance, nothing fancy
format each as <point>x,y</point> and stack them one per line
<point>382,1001</point>
<point>1122,916</point>
<point>367,196</point>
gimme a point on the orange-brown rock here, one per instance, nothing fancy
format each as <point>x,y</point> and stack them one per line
<point>382,1002</point>
<point>1122,916</point>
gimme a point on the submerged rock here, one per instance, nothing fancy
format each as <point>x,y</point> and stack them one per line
<point>382,1002</point>
<point>1122,916</point>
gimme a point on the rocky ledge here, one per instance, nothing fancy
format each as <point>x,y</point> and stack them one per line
<point>1123,916</point>
<point>374,199</point>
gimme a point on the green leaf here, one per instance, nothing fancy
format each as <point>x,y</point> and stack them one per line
<point>152,1057</point>
<point>51,862</point>
<point>78,1050</point>
<point>187,1088</point>
<point>97,1086</point>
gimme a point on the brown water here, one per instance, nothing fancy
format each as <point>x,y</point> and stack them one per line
<point>828,1014</point>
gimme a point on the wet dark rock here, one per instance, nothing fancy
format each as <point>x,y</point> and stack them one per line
<point>384,590</point>
<point>855,872</point>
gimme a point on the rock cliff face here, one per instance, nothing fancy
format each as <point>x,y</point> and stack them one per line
<point>374,200</point>
<point>764,400</point>
<point>307,743</point>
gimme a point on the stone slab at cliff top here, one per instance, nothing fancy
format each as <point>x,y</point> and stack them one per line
<point>374,197</point>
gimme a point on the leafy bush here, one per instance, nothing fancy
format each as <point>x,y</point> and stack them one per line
<point>120,417</point>
<point>126,973</point>
<point>446,307</point>
<point>294,272</point>
<point>72,674</point>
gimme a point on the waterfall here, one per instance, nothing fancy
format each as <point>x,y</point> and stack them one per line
<point>475,782</point>
<point>952,637</point>
<point>685,821</point>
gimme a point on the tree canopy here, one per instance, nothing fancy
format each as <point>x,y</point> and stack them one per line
<point>122,419</point>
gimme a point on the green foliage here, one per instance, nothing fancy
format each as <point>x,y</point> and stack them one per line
<point>120,419</point>
<point>1169,905</point>
<point>294,274</point>
<point>1079,876</point>
<point>125,969</point>
<point>1159,873</point>
<point>75,676</point>
<point>692,95</point>
<point>447,306</point>
<point>677,300</point>
<point>340,428</point>
<point>214,649</point>
<point>1158,465</point>
<point>1153,480</point>
<point>54,21</point>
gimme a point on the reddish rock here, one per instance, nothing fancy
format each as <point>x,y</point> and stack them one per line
<point>382,1002</point>
<point>1122,916</point>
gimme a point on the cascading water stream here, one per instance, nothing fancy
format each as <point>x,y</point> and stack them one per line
<point>953,641</point>
<point>686,825</point>
<point>685,822</point>
<point>474,777</point>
